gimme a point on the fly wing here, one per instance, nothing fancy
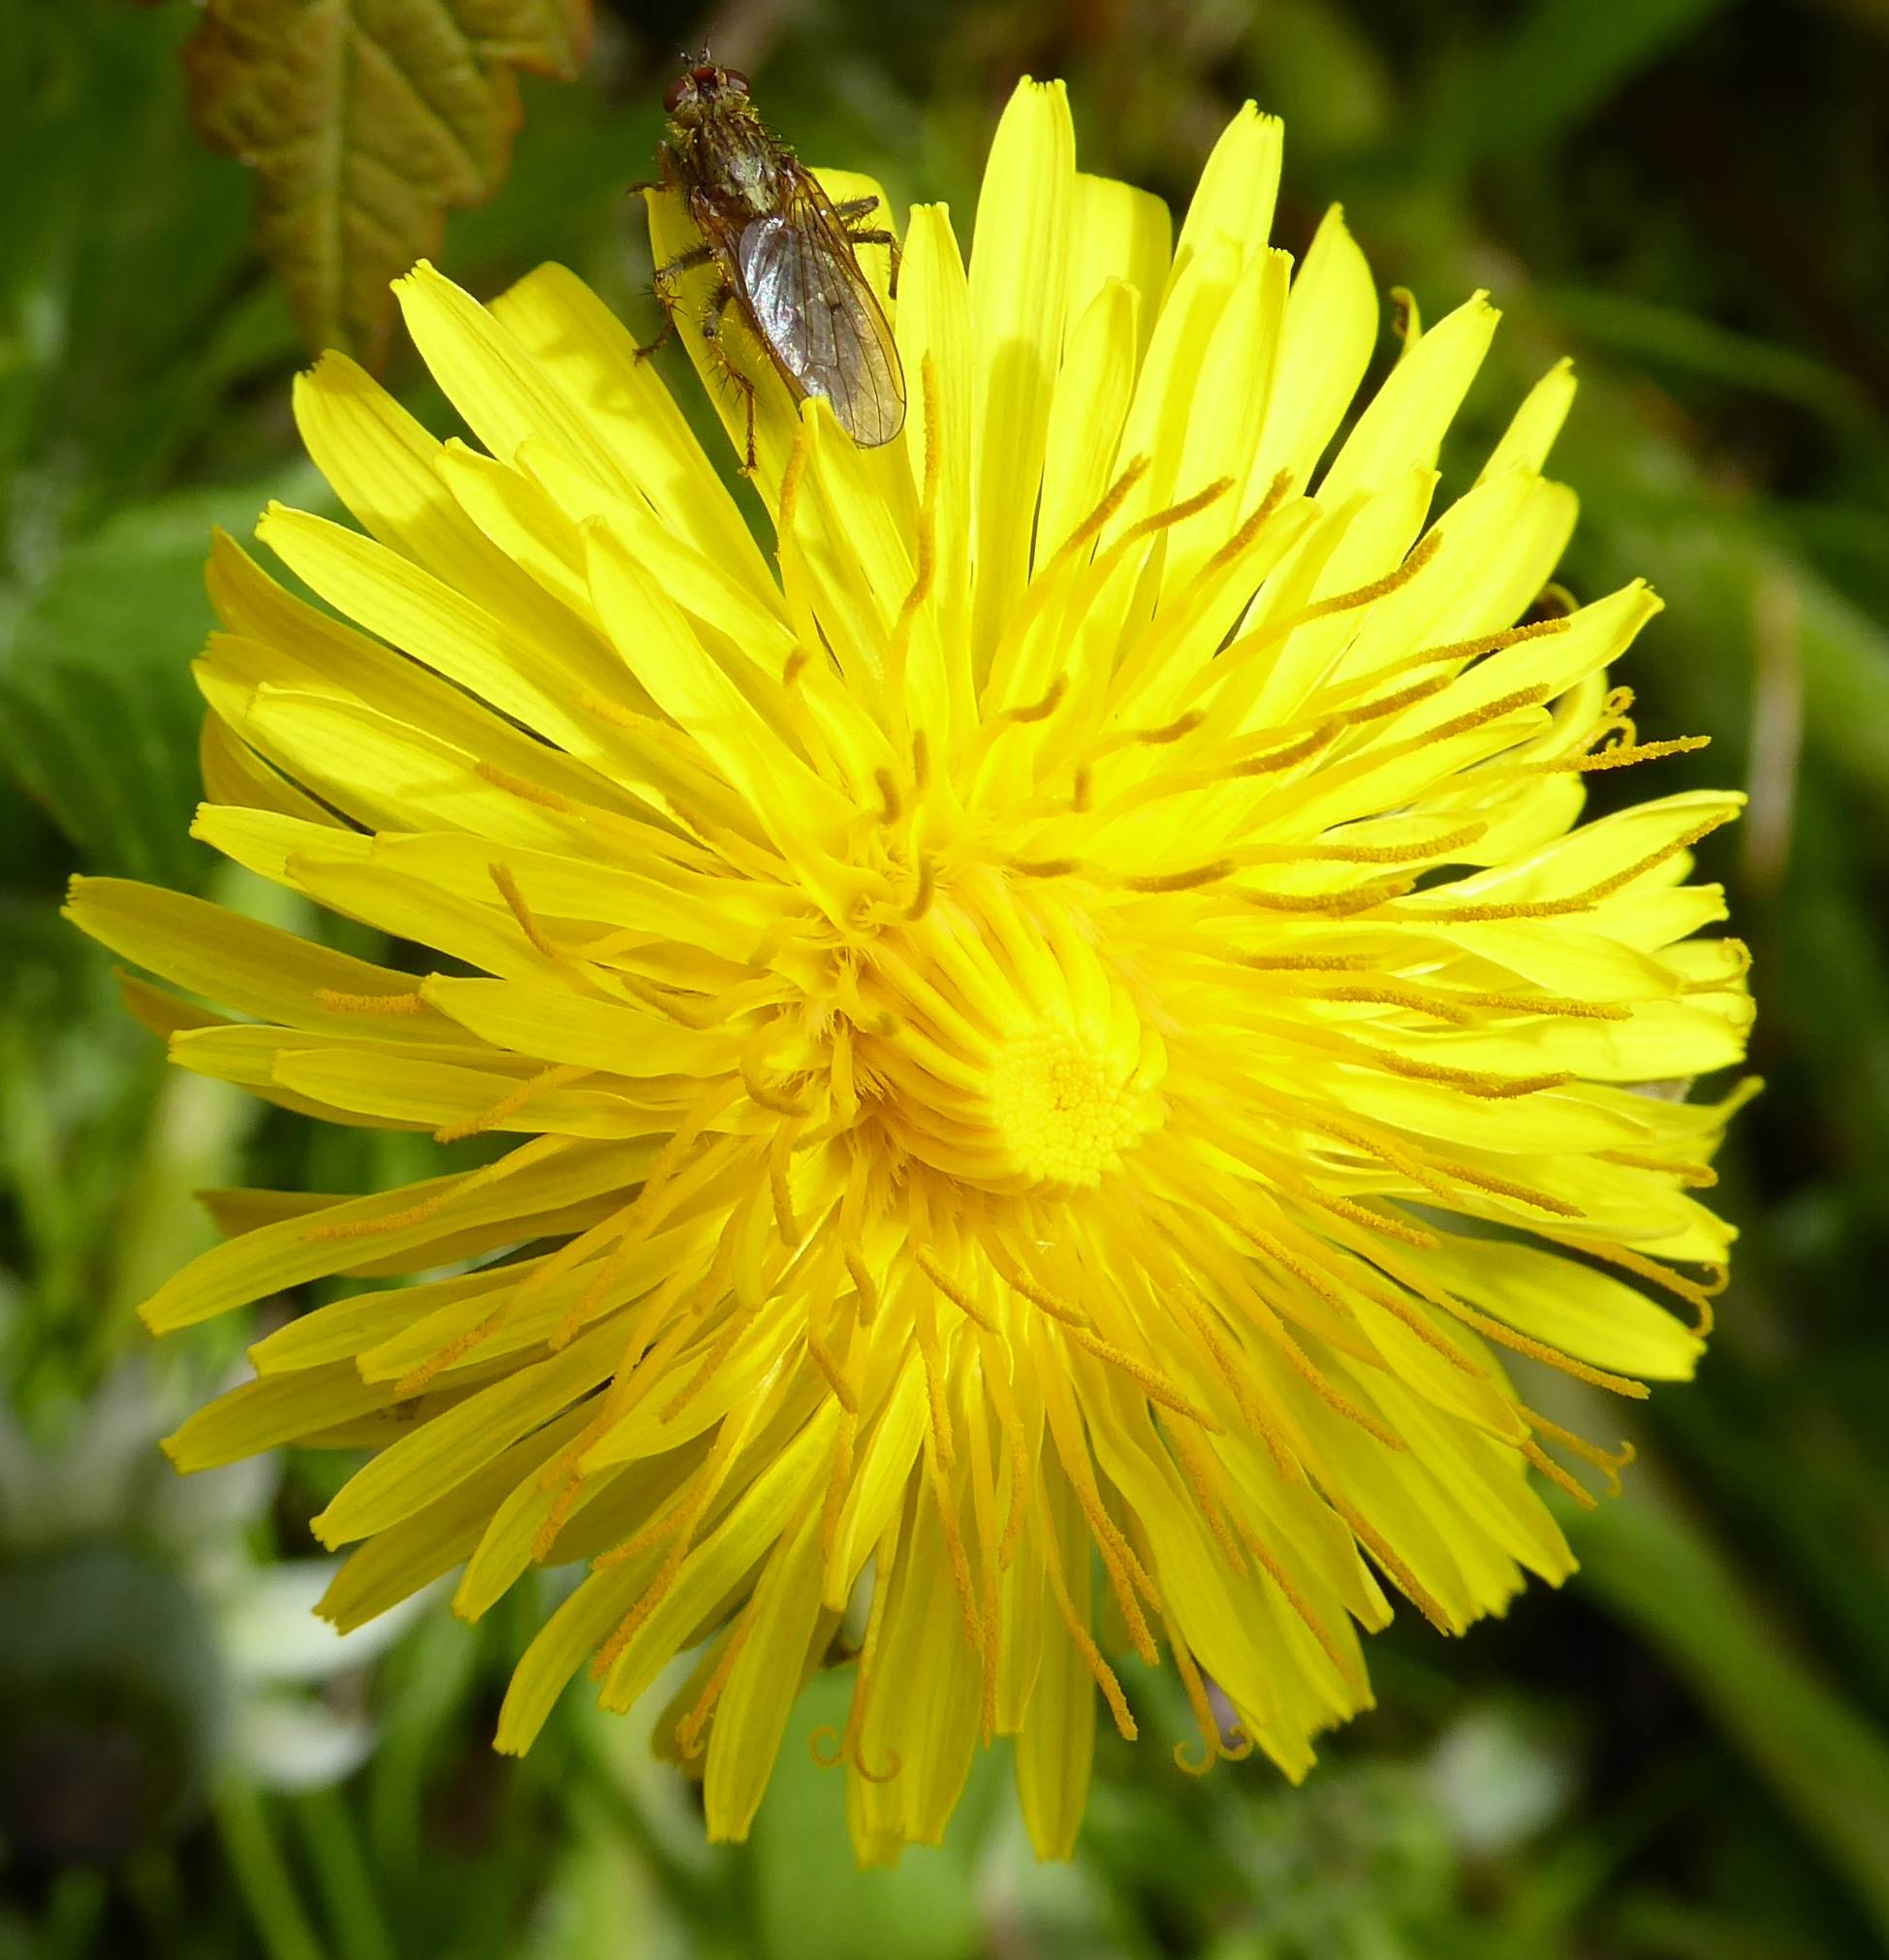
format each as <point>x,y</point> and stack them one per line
<point>820,320</point>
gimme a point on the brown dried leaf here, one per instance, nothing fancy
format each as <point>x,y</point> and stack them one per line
<point>365,121</point>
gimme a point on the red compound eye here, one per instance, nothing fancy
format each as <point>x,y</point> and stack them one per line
<point>679,92</point>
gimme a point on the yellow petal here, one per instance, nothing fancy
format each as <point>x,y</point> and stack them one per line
<point>508,1547</point>
<point>724,1559</point>
<point>412,1554</point>
<point>277,1256</point>
<point>1019,283</point>
<point>1094,388</point>
<point>934,344</point>
<point>751,1716</point>
<point>1530,435</point>
<point>233,773</point>
<point>445,630</point>
<point>1234,383</point>
<point>558,1024</point>
<point>924,1716</point>
<point>427,1463</point>
<point>255,968</point>
<point>589,360</point>
<point>883,1474</point>
<point>1237,189</point>
<point>1056,1744</point>
<point>1120,235</point>
<point>1405,424</point>
<point>1325,345</point>
<point>797,808</point>
<point>564,1644</point>
<point>490,376</point>
<point>1588,1314</point>
<point>384,467</point>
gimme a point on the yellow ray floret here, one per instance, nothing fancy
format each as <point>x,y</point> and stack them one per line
<point>1027,1041</point>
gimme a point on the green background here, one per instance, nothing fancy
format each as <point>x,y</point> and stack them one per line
<point>1687,1751</point>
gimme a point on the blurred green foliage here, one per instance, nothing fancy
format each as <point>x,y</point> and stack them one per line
<point>1687,1753</point>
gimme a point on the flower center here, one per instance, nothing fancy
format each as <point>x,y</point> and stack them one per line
<point>1012,1058</point>
<point>1064,1107</point>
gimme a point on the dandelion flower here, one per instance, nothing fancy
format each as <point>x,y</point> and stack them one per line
<point>1036,1035</point>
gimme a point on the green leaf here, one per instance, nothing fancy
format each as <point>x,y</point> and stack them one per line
<point>922,1909</point>
<point>118,256</point>
<point>365,121</point>
<point>1665,1577</point>
<point>98,713</point>
<point>1567,58</point>
<point>1644,332</point>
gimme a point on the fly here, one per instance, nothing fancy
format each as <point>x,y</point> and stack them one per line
<point>784,252</point>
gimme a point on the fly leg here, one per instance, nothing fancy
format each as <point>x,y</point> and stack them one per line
<point>665,179</point>
<point>855,209</point>
<point>718,304</point>
<point>890,244</point>
<point>664,285</point>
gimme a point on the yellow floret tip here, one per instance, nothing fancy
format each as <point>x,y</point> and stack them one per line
<point>1063,1109</point>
